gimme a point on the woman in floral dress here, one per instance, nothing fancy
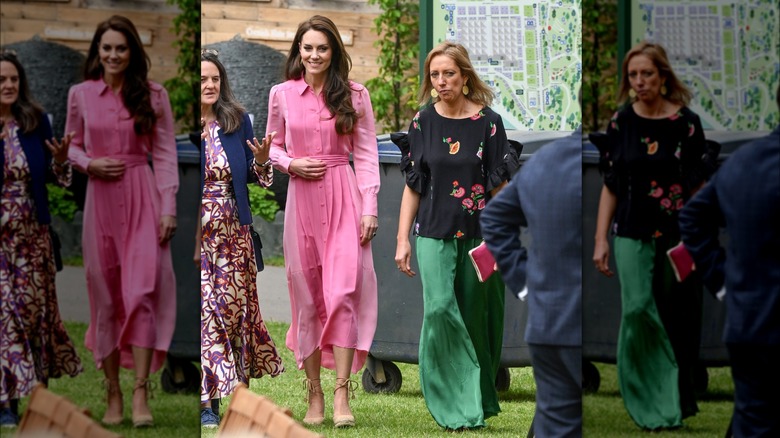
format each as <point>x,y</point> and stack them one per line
<point>456,159</point>
<point>652,164</point>
<point>235,344</point>
<point>34,346</point>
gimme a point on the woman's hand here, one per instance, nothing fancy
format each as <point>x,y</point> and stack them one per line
<point>601,257</point>
<point>403,257</point>
<point>368,227</point>
<point>59,150</point>
<point>308,168</point>
<point>167,228</point>
<point>261,150</point>
<point>106,168</point>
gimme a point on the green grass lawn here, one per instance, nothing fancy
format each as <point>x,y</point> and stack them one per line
<point>605,416</point>
<point>402,414</point>
<point>174,415</point>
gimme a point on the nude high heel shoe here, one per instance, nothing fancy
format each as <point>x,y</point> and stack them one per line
<point>113,389</point>
<point>143,420</point>
<point>313,387</point>
<point>347,420</point>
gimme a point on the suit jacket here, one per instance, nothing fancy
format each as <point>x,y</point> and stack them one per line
<point>743,196</point>
<point>546,197</point>
<point>240,158</point>
<point>39,160</point>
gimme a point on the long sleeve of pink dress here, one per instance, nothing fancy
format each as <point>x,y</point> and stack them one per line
<point>331,278</point>
<point>130,278</point>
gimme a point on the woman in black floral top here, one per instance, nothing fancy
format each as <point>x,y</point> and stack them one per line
<point>456,158</point>
<point>652,165</point>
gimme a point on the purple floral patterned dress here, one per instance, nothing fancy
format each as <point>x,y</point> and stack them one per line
<point>34,345</point>
<point>235,344</point>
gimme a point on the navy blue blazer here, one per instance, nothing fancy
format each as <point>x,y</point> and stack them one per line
<point>239,157</point>
<point>39,161</point>
<point>546,197</point>
<point>743,196</point>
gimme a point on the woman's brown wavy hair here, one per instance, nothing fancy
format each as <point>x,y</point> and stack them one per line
<point>338,93</point>
<point>136,94</point>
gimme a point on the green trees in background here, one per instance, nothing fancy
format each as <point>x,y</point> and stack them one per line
<point>394,91</point>
<point>183,89</point>
<point>599,63</point>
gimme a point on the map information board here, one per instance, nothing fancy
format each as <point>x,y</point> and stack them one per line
<point>529,52</point>
<point>726,51</point>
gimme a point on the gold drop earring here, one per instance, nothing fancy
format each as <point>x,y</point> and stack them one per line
<point>632,93</point>
<point>663,90</point>
<point>434,93</point>
<point>465,88</point>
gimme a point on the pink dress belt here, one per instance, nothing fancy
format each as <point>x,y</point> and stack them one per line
<point>332,160</point>
<point>130,160</point>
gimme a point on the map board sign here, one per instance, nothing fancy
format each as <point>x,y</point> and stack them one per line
<point>726,51</point>
<point>528,51</point>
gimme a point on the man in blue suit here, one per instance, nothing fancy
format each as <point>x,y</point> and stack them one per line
<point>744,196</point>
<point>546,197</point>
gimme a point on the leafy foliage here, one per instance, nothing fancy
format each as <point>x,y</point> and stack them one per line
<point>394,91</point>
<point>61,202</point>
<point>182,89</point>
<point>262,202</point>
<point>599,62</point>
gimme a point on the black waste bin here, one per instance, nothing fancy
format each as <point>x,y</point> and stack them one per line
<point>400,300</point>
<point>180,374</point>
<point>601,295</point>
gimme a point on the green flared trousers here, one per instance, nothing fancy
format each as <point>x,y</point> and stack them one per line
<point>462,334</point>
<point>647,367</point>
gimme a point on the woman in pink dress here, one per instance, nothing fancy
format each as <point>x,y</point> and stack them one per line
<point>320,117</point>
<point>119,117</point>
<point>34,345</point>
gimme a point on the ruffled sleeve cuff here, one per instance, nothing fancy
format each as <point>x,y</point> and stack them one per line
<point>63,173</point>
<point>602,143</point>
<point>414,179</point>
<point>264,174</point>
<point>504,171</point>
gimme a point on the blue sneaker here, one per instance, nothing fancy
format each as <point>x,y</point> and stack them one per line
<point>208,418</point>
<point>8,418</point>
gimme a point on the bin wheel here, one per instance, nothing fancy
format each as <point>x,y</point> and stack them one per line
<point>180,377</point>
<point>393,379</point>
<point>503,379</point>
<point>591,379</point>
<point>701,379</point>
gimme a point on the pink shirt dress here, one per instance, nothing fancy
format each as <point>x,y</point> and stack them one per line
<point>130,278</point>
<point>331,278</point>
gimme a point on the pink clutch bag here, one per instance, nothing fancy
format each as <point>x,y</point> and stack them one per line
<point>681,261</point>
<point>483,261</point>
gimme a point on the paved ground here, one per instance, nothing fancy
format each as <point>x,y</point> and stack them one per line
<point>74,306</point>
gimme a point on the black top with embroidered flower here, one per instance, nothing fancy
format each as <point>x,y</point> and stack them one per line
<point>453,164</point>
<point>651,166</point>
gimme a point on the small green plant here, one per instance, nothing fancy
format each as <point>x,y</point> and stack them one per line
<point>393,92</point>
<point>182,89</point>
<point>277,261</point>
<point>61,202</point>
<point>262,202</point>
<point>73,261</point>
